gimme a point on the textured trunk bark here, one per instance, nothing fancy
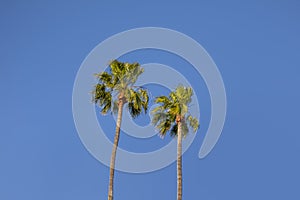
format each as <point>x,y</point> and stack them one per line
<point>179,161</point>
<point>114,150</point>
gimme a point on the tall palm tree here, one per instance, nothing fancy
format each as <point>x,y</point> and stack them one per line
<point>172,116</point>
<point>114,90</point>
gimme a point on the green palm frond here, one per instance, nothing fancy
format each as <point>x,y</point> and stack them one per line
<point>137,101</point>
<point>193,122</point>
<point>126,73</point>
<point>164,126</point>
<point>107,104</point>
<point>134,103</point>
<point>106,79</point>
<point>102,97</point>
<point>173,97</point>
<point>163,100</point>
<point>174,109</point>
<point>145,98</point>
<point>184,94</point>
<point>158,116</point>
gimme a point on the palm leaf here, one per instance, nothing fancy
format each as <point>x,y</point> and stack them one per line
<point>192,122</point>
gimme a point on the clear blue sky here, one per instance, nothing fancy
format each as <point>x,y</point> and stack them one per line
<point>256,46</point>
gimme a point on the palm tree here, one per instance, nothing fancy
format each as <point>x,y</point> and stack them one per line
<point>114,89</point>
<point>172,116</point>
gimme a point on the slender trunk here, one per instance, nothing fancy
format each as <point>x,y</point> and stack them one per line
<point>179,161</point>
<point>114,150</point>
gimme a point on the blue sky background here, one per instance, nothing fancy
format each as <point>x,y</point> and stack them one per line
<point>255,44</point>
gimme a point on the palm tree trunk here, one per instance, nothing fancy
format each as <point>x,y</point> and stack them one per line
<point>114,150</point>
<point>179,161</point>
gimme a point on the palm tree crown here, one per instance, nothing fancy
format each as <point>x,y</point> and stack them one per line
<point>172,109</point>
<point>119,82</point>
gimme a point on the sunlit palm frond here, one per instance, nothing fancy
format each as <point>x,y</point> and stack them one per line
<point>102,97</point>
<point>145,98</point>
<point>158,116</point>
<point>164,101</point>
<point>137,101</point>
<point>192,122</point>
<point>106,79</point>
<point>164,126</point>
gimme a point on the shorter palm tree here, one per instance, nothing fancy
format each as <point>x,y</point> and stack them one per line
<point>114,89</point>
<point>171,115</point>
